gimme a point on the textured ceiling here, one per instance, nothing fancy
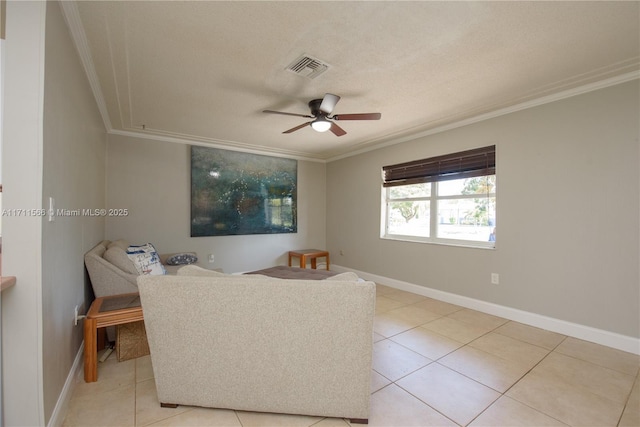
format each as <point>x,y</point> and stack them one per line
<point>204,71</point>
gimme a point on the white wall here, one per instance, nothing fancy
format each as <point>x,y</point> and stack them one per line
<point>152,179</point>
<point>22,189</point>
<point>567,213</point>
<point>54,145</point>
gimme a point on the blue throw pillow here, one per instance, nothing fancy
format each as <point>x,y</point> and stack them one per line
<point>182,259</point>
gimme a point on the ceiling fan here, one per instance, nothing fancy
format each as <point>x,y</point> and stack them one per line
<point>321,110</point>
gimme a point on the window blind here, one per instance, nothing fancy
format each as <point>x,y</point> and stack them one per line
<point>464,164</point>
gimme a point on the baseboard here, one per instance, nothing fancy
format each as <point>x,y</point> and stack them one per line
<point>587,333</point>
<point>62,405</point>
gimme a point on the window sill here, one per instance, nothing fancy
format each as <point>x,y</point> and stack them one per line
<point>454,243</point>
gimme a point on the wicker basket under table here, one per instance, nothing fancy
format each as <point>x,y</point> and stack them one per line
<point>131,341</point>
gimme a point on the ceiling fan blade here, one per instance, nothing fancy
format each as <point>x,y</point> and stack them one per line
<point>287,114</point>
<point>297,128</point>
<point>360,116</point>
<point>329,103</point>
<point>337,130</point>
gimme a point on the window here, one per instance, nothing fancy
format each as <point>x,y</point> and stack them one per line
<point>448,199</point>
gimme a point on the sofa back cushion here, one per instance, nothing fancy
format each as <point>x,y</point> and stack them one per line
<point>119,258</point>
<point>98,250</point>
<point>120,243</point>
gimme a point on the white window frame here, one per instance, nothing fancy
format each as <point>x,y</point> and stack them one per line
<point>433,200</point>
<point>474,163</point>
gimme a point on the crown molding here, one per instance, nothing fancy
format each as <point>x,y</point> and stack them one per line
<point>216,143</point>
<point>612,81</point>
<point>79,37</point>
<point>248,148</point>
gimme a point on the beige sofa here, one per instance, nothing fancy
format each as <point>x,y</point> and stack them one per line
<point>255,343</point>
<point>112,272</point>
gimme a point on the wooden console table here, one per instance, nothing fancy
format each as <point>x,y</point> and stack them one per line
<point>106,311</point>
<point>311,254</point>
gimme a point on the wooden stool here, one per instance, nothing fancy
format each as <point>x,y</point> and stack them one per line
<point>311,254</point>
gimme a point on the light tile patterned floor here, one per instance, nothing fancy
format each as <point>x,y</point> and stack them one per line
<point>434,364</point>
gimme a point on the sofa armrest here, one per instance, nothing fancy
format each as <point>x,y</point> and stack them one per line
<point>107,279</point>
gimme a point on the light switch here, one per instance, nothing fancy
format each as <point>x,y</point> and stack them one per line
<point>52,210</point>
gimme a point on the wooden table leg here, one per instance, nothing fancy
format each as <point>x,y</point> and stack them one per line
<point>314,263</point>
<point>90,351</point>
<point>290,259</point>
<point>102,338</point>
<point>327,260</point>
<point>303,261</point>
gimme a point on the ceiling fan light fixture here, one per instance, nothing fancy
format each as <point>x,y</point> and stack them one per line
<point>323,120</point>
<point>321,124</point>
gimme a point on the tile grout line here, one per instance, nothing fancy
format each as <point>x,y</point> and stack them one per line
<point>417,398</point>
<point>501,394</point>
<point>533,367</point>
<point>626,403</point>
<point>523,376</point>
<point>549,351</point>
<point>441,365</point>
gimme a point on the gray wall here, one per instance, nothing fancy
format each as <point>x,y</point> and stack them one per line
<point>152,179</point>
<point>567,213</point>
<point>54,145</point>
<point>74,175</point>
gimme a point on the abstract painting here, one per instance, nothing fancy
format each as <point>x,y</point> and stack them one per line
<point>235,193</point>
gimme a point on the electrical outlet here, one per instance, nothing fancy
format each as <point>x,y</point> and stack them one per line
<point>211,258</point>
<point>77,316</point>
<point>341,252</point>
<point>495,279</point>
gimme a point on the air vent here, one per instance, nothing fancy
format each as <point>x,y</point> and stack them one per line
<point>308,66</point>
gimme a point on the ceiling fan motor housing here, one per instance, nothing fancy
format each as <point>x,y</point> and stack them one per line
<point>314,105</point>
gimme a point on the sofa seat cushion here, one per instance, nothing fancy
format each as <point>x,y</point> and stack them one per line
<point>195,271</point>
<point>172,269</point>
<point>284,272</point>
